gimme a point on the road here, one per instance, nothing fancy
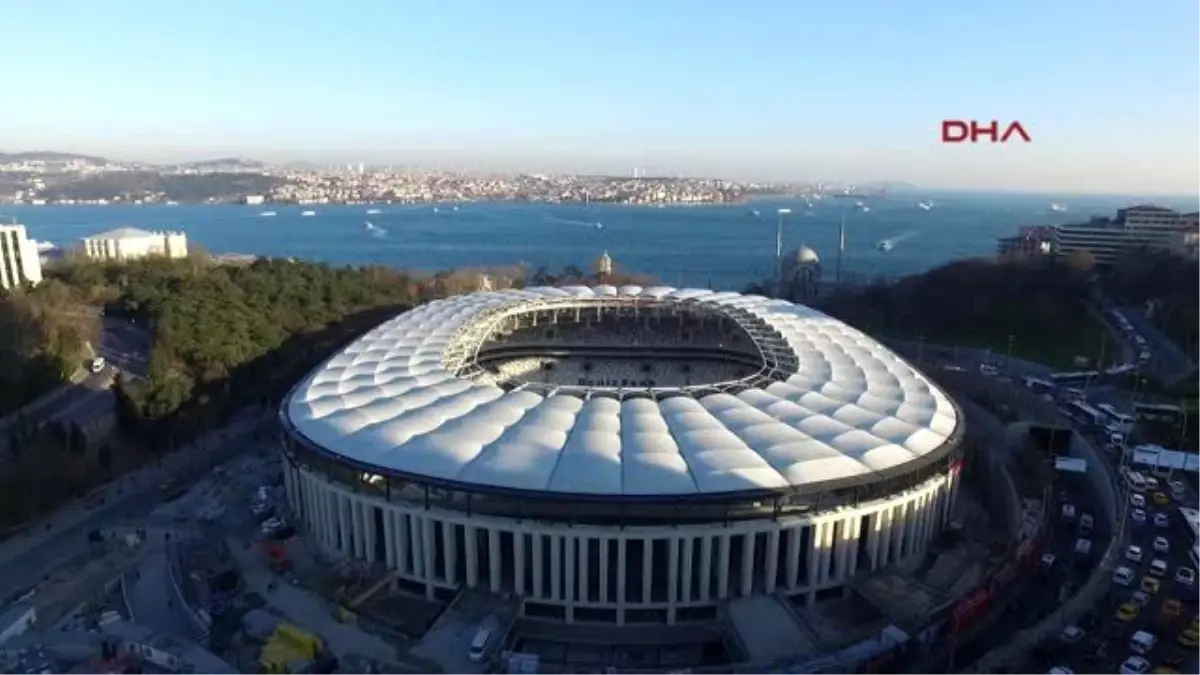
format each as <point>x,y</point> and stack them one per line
<point>152,598</point>
<point>1168,362</point>
<point>25,558</point>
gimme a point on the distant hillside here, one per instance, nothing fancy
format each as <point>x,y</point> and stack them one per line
<point>46,156</point>
<point>225,163</point>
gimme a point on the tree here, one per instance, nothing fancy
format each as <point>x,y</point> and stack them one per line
<point>1081,260</point>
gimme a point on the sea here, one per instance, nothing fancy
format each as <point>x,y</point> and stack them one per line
<point>724,247</point>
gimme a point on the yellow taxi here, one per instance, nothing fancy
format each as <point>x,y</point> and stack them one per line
<point>1150,585</point>
<point>1189,638</point>
<point>1161,499</point>
<point>1128,612</point>
<point>1171,609</point>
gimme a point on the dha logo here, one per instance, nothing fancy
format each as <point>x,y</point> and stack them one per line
<point>969,131</point>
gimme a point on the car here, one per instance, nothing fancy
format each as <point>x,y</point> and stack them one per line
<point>1151,483</point>
<point>97,365</point>
<point>1072,634</point>
<point>1122,576</point>
<point>1171,609</point>
<point>1138,516</point>
<point>1134,553</point>
<point>1162,520</point>
<point>1185,576</point>
<point>1137,501</point>
<point>1161,499</point>
<point>1150,585</point>
<point>1086,523</point>
<point>1189,638</point>
<point>1061,670</point>
<point>1162,545</point>
<point>1177,488</point>
<point>1140,598</point>
<point>1128,612</point>
<point>1158,568</point>
<point>1135,665</point>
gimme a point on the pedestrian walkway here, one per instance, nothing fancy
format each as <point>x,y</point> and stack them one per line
<point>111,494</point>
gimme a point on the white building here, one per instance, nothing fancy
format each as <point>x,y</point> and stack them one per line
<point>128,243</point>
<point>1135,228</point>
<point>19,262</point>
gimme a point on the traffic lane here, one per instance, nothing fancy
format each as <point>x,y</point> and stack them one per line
<point>92,406</point>
<point>126,345</point>
<point>1167,359</point>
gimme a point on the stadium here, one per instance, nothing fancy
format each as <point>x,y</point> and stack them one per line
<point>620,455</point>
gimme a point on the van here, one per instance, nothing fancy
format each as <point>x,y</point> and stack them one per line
<point>1086,523</point>
<point>479,645</point>
<point>988,370</point>
<point>1143,642</point>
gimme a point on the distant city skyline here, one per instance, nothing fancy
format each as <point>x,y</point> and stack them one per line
<point>767,90</point>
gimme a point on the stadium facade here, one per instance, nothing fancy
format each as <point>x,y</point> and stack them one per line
<point>620,454</point>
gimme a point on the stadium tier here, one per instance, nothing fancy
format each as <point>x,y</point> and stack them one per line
<point>620,454</point>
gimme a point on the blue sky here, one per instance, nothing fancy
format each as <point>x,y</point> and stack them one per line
<point>790,89</point>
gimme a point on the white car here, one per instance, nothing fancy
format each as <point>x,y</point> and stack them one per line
<point>1140,598</point>
<point>1135,665</point>
<point>1178,489</point>
<point>1162,545</point>
<point>1138,516</point>
<point>1158,568</point>
<point>1134,553</point>
<point>1137,501</point>
<point>1162,520</point>
<point>1185,576</point>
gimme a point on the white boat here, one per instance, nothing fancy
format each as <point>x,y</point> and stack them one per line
<point>925,205</point>
<point>172,203</point>
<point>372,212</point>
<point>886,245</point>
<point>308,214</point>
<point>1058,208</point>
<point>267,214</point>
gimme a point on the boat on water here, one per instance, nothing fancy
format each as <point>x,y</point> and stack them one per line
<point>267,214</point>
<point>307,214</point>
<point>756,213</point>
<point>886,245</point>
<point>1058,208</point>
<point>372,212</point>
<point>862,207</point>
<point>172,203</point>
<point>925,205</point>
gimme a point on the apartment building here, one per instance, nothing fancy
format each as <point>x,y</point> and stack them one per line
<point>1134,228</point>
<point>1029,242</point>
<point>128,243</point>
<point>19,261</point>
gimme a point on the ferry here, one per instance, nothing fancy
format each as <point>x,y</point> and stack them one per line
<point>886,245</point>
<point>267,214</point>
<point>308,214</point>
<point>862,207</point>
<point>925,205</point>
<point>172,203</point>
<point>372,212</point>
<point>1058,208</point>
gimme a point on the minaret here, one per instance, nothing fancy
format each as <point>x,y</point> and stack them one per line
<point>604,266</point>
<point>841,250</point>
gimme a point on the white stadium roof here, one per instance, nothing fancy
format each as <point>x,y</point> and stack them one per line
<point>853,409</point>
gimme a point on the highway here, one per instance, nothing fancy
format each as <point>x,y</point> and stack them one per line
<point>26,557</point>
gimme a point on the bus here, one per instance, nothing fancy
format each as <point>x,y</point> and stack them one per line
<point>1121,421</point>
<point>1064,379</point>
<point>1192,518</point>
<point>1123,369</point>
<point>1038,386</point>
<point>1159,412</point>
<point>1084,413</point>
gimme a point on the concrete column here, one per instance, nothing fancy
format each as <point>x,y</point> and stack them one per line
<point>910,527</point>
<point>604,594</point>
<point>827,551</point>
<point>898,515</point>
<point>555,567</point>
<point>344,525</point>
<point>647,570</point>
<point>621,562</point>
<point>369,530</point>
<point>873,540</point>
<point>685,591</point>
<point>427,549</point>
<point>495,560</point>
<point>849,546</point>
<point>723,567</point>
<point>470,550</point>
<point>815,541</point>
<point>792,565</point>
<point>672,578</point>
<point>418,550</point>
<point>569,544</point>
<point>289,488</point>
<point>706,555</point>
<point>748,542</point>
<point>539,566</point>
<point>519,560</point>
<point>771,564</point>
<point>389,538</point>
<point>402,543</point>
<point>358,532</point>
<point>327,503</point>
<point>584,576</point>
<point>449,552</point>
